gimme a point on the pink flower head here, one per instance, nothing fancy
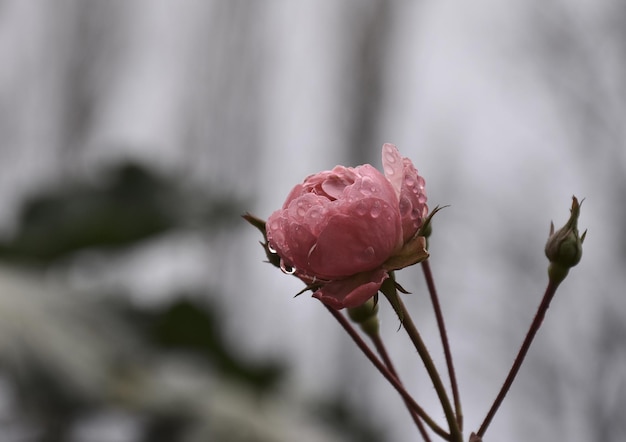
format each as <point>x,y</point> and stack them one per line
<point>342,230</point>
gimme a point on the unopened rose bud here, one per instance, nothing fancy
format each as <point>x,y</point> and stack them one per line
<point>564,247</point>
<point>366,315</point>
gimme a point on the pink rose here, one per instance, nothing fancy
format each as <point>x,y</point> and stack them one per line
<point>343,230</point>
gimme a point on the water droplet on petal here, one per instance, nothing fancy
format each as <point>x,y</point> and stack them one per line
<point>409,181</point>
<point>375,210</point>
<point>368,254</point>
<point>389,170</point>
<point>405,205</point>
<point>390,156</point>
<point>271,249</point>
<point>287,269</point>
<point>361,208</point>
<point>274,225</point>
<point>298,236</point>
<point>302,207</point>
<point>315,212</point>
<point>366,187</point>
<point>416,213</point>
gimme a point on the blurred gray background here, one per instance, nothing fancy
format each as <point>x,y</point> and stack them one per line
<point>134,303</point>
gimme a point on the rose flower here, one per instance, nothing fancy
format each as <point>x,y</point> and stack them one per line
<point>341,231</point>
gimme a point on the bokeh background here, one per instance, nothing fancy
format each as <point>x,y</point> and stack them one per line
<point>134,303</point>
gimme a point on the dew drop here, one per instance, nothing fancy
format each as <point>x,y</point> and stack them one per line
<point>368,254</point>
<point>297,237</point>
<point>301,210</point>
<point>367,186</point>
<point>361,208</point>
<point>416,213</point>
<point>375,210</point>
<point>271,249</point>
<point>315,213</point>
<point>287,269</point>
<point>390,157</point>
<point>410,181</point>
<point>404,206</point>
<point>274,225</point>
<point>389,170</point>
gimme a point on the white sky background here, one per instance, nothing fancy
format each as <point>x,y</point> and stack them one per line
<point>466,100</point>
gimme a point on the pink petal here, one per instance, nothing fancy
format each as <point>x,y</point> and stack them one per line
<point>295,193</point>
<point>393,166</point>
<point>300,241</point>
<point>353,291</point>
<point>371,183</point>
<point>334,185</point>
<point>413,208</point>
<point>330,183</point>
<point>359,238</point>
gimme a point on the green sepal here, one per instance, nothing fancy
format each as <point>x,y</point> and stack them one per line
<point>256,222</point>
<point>312,287</point>
<point>272,258</point>
<point>401,289</point>
<point>388,288</point>
<point>412,252</point>
<point>426,228</point>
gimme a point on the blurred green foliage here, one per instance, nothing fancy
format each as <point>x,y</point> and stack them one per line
<point>131,204</point>
<point>195,328</point>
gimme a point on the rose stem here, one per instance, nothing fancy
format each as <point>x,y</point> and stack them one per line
<point>382,351</point>
<point>430,282</point>
<point>409,327</point>
<point>386,373</point>
<point>534,327</point>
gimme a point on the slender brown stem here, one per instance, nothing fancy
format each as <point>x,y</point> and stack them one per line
<point>409,327</point>
<point>532,331</point>
<point>382,351</point>
<point>430,282</point>
<point>386,373</point>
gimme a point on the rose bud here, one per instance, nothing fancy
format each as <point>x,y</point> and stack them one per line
<point>564,248</point>
<point>341,231</point>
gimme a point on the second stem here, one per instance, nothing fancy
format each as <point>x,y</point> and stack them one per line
<point>389,289</point>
